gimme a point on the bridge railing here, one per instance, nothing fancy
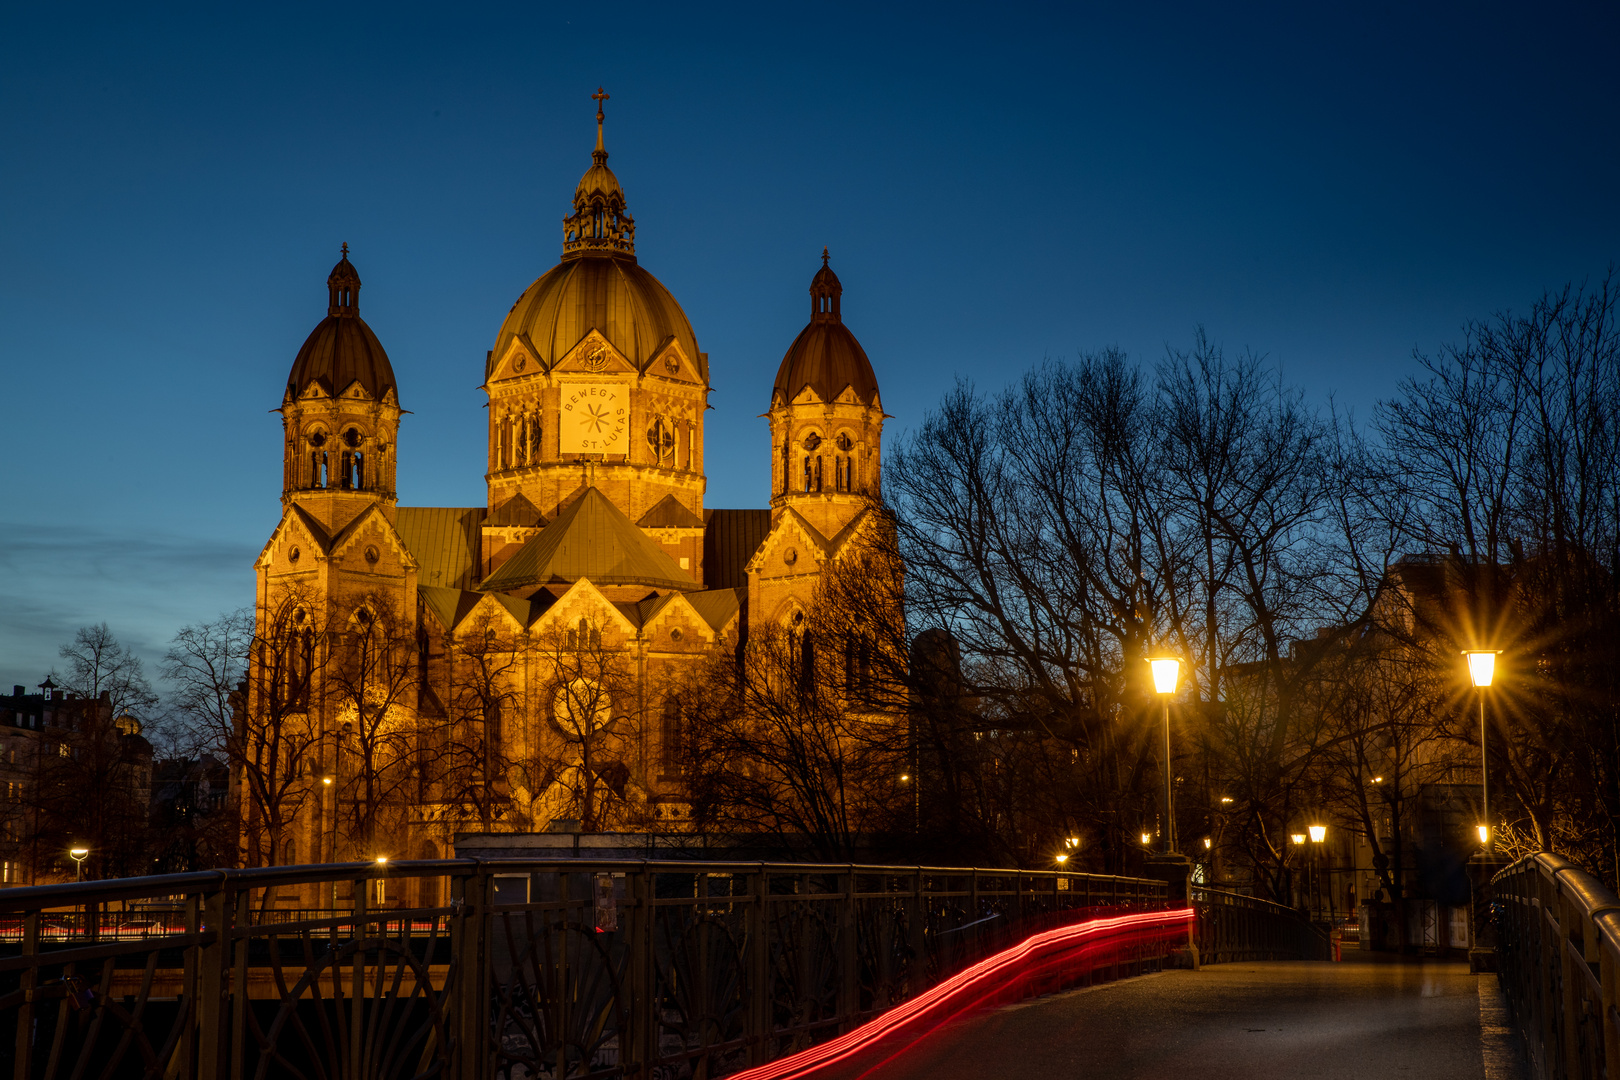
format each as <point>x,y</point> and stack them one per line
<point>503,968</point>
<point>1232,927</point>
<point>1558,951</point>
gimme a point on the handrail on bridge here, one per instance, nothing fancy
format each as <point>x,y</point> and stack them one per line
<point>616,967</point>
<point>1558,947</point>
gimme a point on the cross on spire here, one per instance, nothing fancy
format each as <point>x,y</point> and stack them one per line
<point>345,249</point>
<point>823,256</point>
<point>599,97</point>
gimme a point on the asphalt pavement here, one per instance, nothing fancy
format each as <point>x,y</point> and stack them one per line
<point>1355,1020</point>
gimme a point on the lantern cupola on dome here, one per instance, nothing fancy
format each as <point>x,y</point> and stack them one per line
<point>600,221</point>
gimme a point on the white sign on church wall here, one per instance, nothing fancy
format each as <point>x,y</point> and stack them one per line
<point>595,417</point>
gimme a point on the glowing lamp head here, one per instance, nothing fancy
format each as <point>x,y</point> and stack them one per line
<point>1166,670</point>
<point>382,860</point>
<point>327,780</point>
<point>1298,838</point>
<point>1061,859</point>
<point>905,778</point>
<point>1481,666</point>
<point>1208,843</point>
<point>79,854</point>
<point>1318,833</point>
<point>1147,838</point>
<point>1072,842</point>
<point>1226,800</point>
<point>1484,833</point>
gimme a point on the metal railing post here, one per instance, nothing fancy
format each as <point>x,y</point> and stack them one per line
<point>238,990</point>
<point>758,961</point>
<point>359,897</point>
<point>213,962</point>
<point>472,970</point>
<point>849,957</point>
<point>22,1063</point>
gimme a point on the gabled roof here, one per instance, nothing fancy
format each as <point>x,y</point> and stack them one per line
<point>594,540</point>
<point>717,606</point>
<point>668,513</point>
<point>449,606</point>
<point>444,541</point>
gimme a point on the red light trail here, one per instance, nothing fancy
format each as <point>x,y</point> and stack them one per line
<point>1004,974</point>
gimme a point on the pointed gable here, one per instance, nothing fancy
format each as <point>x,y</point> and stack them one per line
<point>669,513</point>
<point>591,540</point>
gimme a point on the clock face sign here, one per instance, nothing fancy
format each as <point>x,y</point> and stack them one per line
<point>595,417</point>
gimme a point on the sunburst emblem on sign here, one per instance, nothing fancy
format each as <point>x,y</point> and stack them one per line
<point>595,419</point>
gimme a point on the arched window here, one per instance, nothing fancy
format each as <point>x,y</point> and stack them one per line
<point>670,739</point>
<point>523,439</point>
<point>661,440</point>
<point>534,437</point>
<point>317,459</point>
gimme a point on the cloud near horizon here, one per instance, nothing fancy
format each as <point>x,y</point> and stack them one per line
<point>55,579</point>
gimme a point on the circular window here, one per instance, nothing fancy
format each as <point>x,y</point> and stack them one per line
<point>351,438</point>
<point>675,634</point>
<point>844,442</point>
<point>671,365</point>
<point>372,556</point>
<point>317,438</point>
<point>790,556</point>
<point>811,441</point>
<point>292,556</point>
<point>517,364</point>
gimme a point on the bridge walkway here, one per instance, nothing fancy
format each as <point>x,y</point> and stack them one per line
<point>1356,1020</point>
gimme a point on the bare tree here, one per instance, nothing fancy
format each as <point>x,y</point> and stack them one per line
<point>97,664</point>
<point>589,702</point>
<point>372,681</point>
<point>475,756</point>
<point>273,737</point>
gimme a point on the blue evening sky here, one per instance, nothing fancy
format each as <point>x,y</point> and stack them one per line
<point>1332,185</point>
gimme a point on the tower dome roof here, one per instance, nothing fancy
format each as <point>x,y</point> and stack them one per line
<point>825,356</point>
<point>342,351</point>
<point>598,285</point>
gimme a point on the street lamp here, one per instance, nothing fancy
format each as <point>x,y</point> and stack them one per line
<point>1481,670</point>
<point>1166,670</point>
<point>78,855</point>
<point>1318,834</point>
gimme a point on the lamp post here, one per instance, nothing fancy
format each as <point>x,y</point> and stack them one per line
<point>331,854</point>
<point>1318,834</point>
<point>1481,670</point>
<point>78,855</point>
<point>1166,670</point>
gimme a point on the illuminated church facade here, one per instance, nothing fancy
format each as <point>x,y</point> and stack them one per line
<point>485,699</point>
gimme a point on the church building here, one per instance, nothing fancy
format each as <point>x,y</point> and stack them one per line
<point>423,671</point>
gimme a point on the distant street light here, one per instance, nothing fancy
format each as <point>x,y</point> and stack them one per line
<point>1297,838</point>
<point>1147,838</point>
<point>78,855</point>
<point>1481,670</point>
<point>1166,671</point>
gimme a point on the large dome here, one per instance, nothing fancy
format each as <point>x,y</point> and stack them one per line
<point>342,350</point>
<point>825,356</point>
<point>603,291</point>
<point>598,285</point>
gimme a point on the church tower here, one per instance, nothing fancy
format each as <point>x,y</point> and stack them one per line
<point>596,380</point>
<point>826,418</point>
<point>826,456</point>
<point>340,413</point>
<point>335,573</point>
